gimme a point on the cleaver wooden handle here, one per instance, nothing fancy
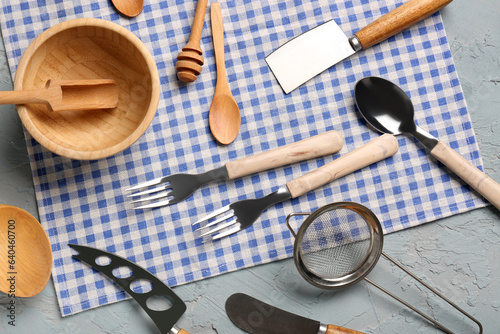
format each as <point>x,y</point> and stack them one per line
<point>478,180</point>
<point>398,20</point>
<point>318,146</point>
<point>374,151</point>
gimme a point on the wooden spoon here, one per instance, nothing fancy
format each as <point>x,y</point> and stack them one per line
<point>68,95</point>
<point>130,8</point>
<point>224,116</point>
<point>26,255</point>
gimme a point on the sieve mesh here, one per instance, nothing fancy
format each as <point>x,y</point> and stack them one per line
<point>336,243</point>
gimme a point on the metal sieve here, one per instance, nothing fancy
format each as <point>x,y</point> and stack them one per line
<point>339,244</point>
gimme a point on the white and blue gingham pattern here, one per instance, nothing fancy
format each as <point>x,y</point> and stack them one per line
<point>84,202</point>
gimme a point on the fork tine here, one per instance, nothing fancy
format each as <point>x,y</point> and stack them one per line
<point>235,229</point>
<point>150,198</point>
<point>153,205</point>
<point>150,191</point>
<point>148,183</point>
<point>221,219</point>
<point>220,227</point>
<point>213,214</point>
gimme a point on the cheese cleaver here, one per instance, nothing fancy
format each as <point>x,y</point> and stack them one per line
<point>256,317</point>
<point>314,51</point>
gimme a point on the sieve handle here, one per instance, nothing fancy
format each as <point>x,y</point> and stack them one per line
<point>293,214</point>
<point>374,151</point>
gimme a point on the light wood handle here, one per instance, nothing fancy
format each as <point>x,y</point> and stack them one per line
<point>332,329</point>
<point>23,97</point>
<point>398,20</point>
<point>478,180</point>
<point>320,145</point>
<point>376,150</point>
<point>197,28</point>
<point>182,331</point>
<point>218,40</point>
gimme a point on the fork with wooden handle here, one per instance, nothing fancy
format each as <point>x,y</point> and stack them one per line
<point>175,188</point>
<point>242,214</point>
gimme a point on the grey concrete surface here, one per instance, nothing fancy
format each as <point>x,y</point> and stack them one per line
<point>459,255</point>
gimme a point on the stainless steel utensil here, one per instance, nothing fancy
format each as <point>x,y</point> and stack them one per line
<point>175,188</point>
<point>160,303</point>
<point>246,212</point>
<point>256,317</point>
<point>388,109</point>
<point>339,244</point>
<point>312,52</point>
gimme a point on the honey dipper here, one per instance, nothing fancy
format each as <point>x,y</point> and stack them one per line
<point>190,60</point>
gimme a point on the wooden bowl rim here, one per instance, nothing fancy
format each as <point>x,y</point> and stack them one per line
<point>36,223</point>
<point>105,152</point>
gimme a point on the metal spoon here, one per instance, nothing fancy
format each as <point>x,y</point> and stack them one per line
<point>130,8</point>
<point>388,109</point>
<point>224,115</point>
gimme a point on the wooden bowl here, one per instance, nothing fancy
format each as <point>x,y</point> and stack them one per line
<point>89,48</point>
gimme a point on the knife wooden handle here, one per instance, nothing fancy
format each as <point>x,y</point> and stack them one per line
<point>376,150</point>
<point>181,331</point>
<point>478,180</point>
<point>320,145</point>
<point>398,20</point>
<point>333,329</point>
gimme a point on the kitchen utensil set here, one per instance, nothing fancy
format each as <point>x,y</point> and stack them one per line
<point>336,246</point>
<point>339,244</point>
<point>245,212</point>
<point>175,188</point>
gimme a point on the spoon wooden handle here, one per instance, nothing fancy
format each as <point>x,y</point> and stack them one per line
<point>320,145</point>
<point>398,20</point>
<point>374,151</point>
<point>478,180</point>
<point>218,40</point>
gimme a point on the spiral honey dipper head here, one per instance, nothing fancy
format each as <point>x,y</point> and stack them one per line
<point>188,65</point>
<point>190,60</point>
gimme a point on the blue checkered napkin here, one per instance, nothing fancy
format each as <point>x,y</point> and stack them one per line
<point>84,202</point>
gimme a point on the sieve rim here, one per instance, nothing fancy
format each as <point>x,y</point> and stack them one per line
<point>371,259</point>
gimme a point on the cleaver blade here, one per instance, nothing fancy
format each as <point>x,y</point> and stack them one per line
<point>256,317</point>
<point>310,53</point>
